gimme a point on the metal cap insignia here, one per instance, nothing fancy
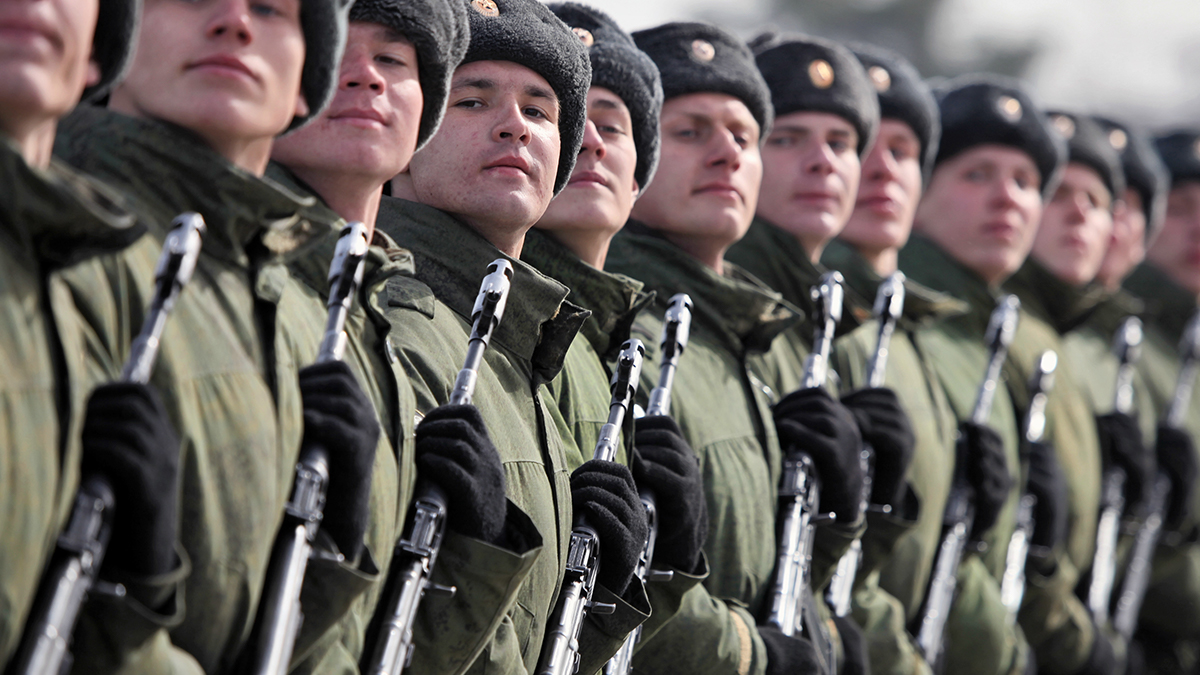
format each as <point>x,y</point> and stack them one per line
<point>880,78</point>
<point>821,74</point>
<point>486,7</point>
<point>1009,107</point>
<point>703,51</point>
<point>584,35</point>
<point>1118,139</point>
<point>1065,125</point>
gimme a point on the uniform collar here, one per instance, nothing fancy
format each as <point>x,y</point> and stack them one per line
<point>738,307</point>
<point>451,259</point>
<point>1168,304</point>
<point>1113,309</point>
<point>928,264</point>
<point>1051,299</point>
<point>613,299</point>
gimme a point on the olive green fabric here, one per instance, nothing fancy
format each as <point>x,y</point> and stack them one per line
<point>48,218</point>
<point>229,379</point>
<point>504,626</point>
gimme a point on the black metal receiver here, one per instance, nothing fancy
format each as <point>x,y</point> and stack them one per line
<point>79,552</point>
<point>280,614</point>
<point>889,306</point>
<point>959,515</point>
<point>388,647</point>
<point>1137,577</point>
<point>1127,345</point>
<point>560,652</point>
<point>1012,584</point>
<point>676,326</point>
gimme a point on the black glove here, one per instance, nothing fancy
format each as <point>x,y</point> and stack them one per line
<point>1177,457</point>
<point>604,497</point>
<point>855,660</point>
<point>664,462</point>
<point>1049,485</point>
<point>987,474</point>
<point>885,425</point>
<point>128,439</point>
<point>1121,443</point>
<point>340,419</point>
<point>812,422</point>
<point>789,655</point>
<point>455,453</point>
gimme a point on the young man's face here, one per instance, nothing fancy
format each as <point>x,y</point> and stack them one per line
<point>1176,250</point>
<point>982,207</point>
<point>889,192</point>
<point>370,129</point>
<point>1127,246</point>
<point>1076,226</point>
<point>601,191</point>
<point>228,70</point>
<point>494,160</point>
<point>710,170</point>
<point>810,176</point>
<point>45,50</point>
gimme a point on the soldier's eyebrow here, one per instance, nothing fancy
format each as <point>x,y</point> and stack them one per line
<point>606,104</point>
<point>540,92</point>
<point>474,83</point>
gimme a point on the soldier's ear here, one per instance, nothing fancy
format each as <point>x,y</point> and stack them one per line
<point>637,190</point>
<point>93,73</point>
<point>301,105</point>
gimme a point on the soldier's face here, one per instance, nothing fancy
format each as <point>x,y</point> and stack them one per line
<point>1076,226</point>
<point>45,49</point>
<point>1127,246</point>
<point>890,190</point>
<point>1176,250</point>
<point>369,132</point>
<point>601,191</point>
<point>229,70</point>
<point>982,207</point>
<point>494,160</point>
<point>810,177</point>
<point>706,189</point>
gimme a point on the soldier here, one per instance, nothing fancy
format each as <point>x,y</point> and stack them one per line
<point>716,110</point>
<point>513,127</point>
<point>50,217</point>
<point>973,229</point>
<point>191,128</point>
<point>1054,285</point>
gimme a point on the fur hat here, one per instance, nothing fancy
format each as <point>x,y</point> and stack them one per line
<point>811,74</point>
<point>324,24</point>
<point>619,66</point>
<point>1143,168</point>
<point>989,109</point>
<point>1087,144</point>
<point>113,44</point>
<point>439,31</point>
<point>903,96</point>
<point>527,33</point>
<point>1180,152</point>
<point>700,57</point>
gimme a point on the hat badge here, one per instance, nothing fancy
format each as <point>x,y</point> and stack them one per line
<point>703,51</point>
<point>880,78</point>
<point>1065,125</point>
<point>820,73</point>
<point>585,36</point>
<point>486,7</point>
<point>1009,107</point>
<point>1118,139</point>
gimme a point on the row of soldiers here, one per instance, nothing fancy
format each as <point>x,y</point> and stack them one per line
<point>589,177</point>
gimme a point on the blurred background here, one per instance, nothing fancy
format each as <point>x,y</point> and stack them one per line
<point>1136,60</point>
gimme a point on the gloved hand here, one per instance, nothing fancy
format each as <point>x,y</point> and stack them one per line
<point>1103,658</point>
<point>987,474</point>
<point>855,660</point>
<point>885,425</point>
<point>1049,485</point>
<point>1177,457</point>
<point>1121,443</point>
<point>789,655</point>
<point>664,462</point>
<point>128,439</point>
<point>339,418</point>
<point>812,422</point>
<point>604,496</point>
<point>455,453</point>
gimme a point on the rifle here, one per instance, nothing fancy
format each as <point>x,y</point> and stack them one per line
<point>79,552</point>
<point>960,507</point>
<point>388,646</point>
<point>1137,578</point>
<point>676,326</point>
<point>1012,584</point>
<point>799,493</point>
<point>280,614</point>
<point>560,653</point>
<point>1127,347</point>
<point>889,305</point>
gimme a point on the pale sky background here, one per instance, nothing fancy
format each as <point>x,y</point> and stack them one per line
<point>1136,60</point>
